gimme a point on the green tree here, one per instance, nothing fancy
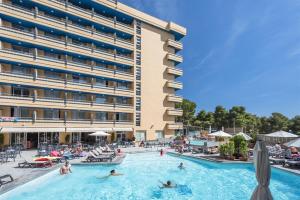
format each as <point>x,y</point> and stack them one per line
<point>278,122</point>
<point>220,117</point>
<point>295,125</point>
<point>189,109</point>
<point>237,116</point>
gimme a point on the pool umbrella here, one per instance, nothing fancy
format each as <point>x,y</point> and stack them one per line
<point>245,136</point>
<point>263,172</point>
<point>293,143</point>
<point>99,134</point>
<point>220,134</point>
<point>281,134</point>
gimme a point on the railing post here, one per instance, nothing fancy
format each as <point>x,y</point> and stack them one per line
<point>66,60</point>
<point>93,64</point>
<point>65,116</point>
<point>93,47</point>
<point>66,40</point>
<point>0,67</point>
<point>115,37</point>
<point>115,53</point>
<point>92,82</point>
<point>93,13</point>
<point>66,21</point>
<point>92,100</point>
<point>92,117</point>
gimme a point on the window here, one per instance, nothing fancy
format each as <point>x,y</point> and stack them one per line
<point>20,49</point>
<point>138,42</point>
<point>123,85</point>
<point>51,114</point>
<point>138,73</point>
<point>52,55</point>
<point>122,117</point>
<point>21,28</point>
<point>101,99</point>
<point>138,58</point>
<point>101,116</point>
<point>159,134</point>
<point>21,92</point>
<point>52,75</point>
<point>52,94</point>
<point>138,103</point>
<point>138,27</point>
<point>138,119</point>
<point>140,136</point>
<point>25,113</point>
<point>101,82</point>
<point>78,115</point>
<point>51,35</point>
<point>122,100</point>
<point>138,88</point>
<point>79,97</point>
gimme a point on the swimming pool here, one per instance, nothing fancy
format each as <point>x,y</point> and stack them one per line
<point>142,173</point>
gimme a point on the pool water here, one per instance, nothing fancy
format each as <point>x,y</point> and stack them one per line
<point>142,173</point>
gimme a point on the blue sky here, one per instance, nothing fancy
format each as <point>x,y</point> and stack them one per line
<point>237,52</point>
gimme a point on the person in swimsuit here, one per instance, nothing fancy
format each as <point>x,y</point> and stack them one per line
<point>66,168</point>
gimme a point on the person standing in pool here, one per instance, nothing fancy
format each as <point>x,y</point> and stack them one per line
<point>181,166</point>
<point>161,152</point>
<point>66,168</point>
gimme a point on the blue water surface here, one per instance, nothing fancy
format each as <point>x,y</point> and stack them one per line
<point>141,180</point>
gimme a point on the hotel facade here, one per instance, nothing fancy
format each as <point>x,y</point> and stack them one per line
<point>72,67</point>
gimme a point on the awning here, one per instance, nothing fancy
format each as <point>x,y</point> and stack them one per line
<point>30,130</point>
<point>123,129</point>
<point>89,129</point>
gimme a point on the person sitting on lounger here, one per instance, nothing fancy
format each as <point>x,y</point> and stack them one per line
<point>181,166</point>
<point>168,184</point>
<point>66,168</point>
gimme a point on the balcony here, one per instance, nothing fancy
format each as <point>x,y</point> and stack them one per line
<point>42,61</point>
<point>87,15</point>
<point>18,35</point>
<point>173,98</point>
<point>7,99</point>
<point>175,71</point>
<point>175,85</point>
<point>176,45</point>
<point>60,24</point>
<point>175,126</point>
<point>29,80</point>
<point>177,59</point>
<point>174,112</point>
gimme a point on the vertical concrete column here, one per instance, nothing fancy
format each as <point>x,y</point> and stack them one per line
<point>34,116</point>
<point>92,100</point>
<point>115,53</point>
<point>66,79</point>
<point>115,37</point>
<point>35,95</point>
<point>93,80</point>
<point>66,40</point>
<point>35,53</point>
<point>66,60</point>
<point>93,47</point>
<point>35,74</point>
<point>66,20</point>
<point>0,64</point>
<point>0,17</point>
<point>36,32</point>
<point>65,116</point>
<point>36,11</point>
<point>92,116</point>
<point>93,13</point>
<point>93,64</point>
<point>66,98</point>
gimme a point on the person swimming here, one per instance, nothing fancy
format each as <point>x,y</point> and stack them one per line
<point>168,184</point>
<point>181,166</point>
<point>112,173</point>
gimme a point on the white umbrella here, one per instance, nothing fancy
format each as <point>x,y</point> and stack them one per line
<point>220,134</point>
<point>99,133</point>
<point>293,143</point>
<point>263,172</point>
<point>245,136</point>
<point>281,134</point>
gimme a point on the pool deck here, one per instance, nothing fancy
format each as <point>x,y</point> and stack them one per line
<point>24,175</point>
<point>216,158</point>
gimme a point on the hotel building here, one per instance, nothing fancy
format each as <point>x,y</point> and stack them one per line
<point>72,67</point>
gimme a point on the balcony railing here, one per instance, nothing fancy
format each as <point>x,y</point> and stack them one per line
<point>61,100</point>
<point>68,62</point>
<point>62,21</point>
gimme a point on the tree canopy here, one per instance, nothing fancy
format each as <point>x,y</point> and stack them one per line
<point>237,116</point>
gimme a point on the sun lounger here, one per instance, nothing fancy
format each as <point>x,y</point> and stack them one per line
<point>98,158</point>
<point>3,179</point>
<point>291,163</point>
<point>35,164</point>
<point>98,151</point>
<point>277,161</point>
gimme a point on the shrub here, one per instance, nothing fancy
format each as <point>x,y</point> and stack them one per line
<point>244,149</point>
<point>227,150</point>
<point>230,149</point>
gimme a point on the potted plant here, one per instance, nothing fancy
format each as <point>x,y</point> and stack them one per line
<point>230,150</point>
